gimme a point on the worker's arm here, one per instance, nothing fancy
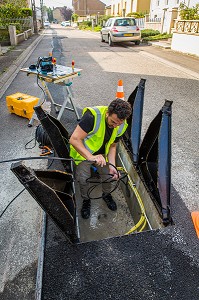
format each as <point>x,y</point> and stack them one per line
<point>111,159</point>
<point>76,140</point>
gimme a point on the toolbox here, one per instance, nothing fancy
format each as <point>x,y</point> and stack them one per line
<point>21,104</point>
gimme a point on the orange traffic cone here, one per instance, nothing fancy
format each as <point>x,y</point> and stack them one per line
<point>120,91</point>
<point>195,219</point>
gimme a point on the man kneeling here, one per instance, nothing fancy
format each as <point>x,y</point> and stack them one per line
<point>94,141</point>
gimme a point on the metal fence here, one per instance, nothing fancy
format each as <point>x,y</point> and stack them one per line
<point>140,22</point>
<point>143,23</point>
<point>21,24</point>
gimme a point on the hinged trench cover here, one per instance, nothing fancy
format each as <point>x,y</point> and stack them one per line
<point>58,204</point>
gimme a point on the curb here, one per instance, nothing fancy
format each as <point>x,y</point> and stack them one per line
<point>160,44</point>
<point>9,76</point>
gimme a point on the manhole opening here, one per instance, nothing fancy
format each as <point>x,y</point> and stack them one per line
<point>136,211</point>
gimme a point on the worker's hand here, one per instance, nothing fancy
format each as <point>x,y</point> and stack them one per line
<point>99,160</point>
<point>113,171</point>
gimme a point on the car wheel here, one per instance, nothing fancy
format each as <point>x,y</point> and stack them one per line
<point>137,42</point>
<point>110,41</point>
<point>102,40</point>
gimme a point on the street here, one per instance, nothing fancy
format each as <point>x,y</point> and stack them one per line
<point>102,67</point>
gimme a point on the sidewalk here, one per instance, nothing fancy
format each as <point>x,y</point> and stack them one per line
<point>162,44</point>
<point>12,59</point>
<point>186,63</point>
<point>21,223</point>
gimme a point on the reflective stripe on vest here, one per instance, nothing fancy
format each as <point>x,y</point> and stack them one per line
<point>97,125</point>
<point>93,140</point>
<point>121,127</point>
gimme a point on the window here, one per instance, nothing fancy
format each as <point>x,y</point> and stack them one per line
<point>108,23</point>
<point>158,2</point>
<point>166,2</point>
<point>125,22</point>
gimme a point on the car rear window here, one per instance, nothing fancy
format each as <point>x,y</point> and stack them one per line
<point>125,22</point>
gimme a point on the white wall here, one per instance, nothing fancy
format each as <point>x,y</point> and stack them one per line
<point>186,43</point>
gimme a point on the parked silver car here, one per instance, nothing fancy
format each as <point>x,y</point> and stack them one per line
<point>65,23</point>
<point>121,29</point>
<point>46,24</point>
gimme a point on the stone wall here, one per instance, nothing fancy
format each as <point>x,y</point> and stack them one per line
<point>16,39</point>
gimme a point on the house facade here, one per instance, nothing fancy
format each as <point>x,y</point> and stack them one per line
<point>165,12</point>
<point>88,7</point>
<point>123,7</point>
<point>108,10</point>
<point>57,15</point>
<point>157,7</point>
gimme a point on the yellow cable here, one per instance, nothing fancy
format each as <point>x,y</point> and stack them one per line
<point>142,218</point>
<point>143,226</point>
<point>136,226</point>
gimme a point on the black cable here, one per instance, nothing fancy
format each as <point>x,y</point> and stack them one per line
<point>11,202</point>
<point>50,165</point>
<point>107,180</point>
<point>67,159</point>
<point>40,104</point>
<point>19,195</point>
<point>37,157</point>
<point>99,183</point>
<point>27,148</point>
<point>41,89</point>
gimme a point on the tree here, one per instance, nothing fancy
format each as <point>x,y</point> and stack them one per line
<point>66,13</point>
<point>17,3</point>
<point>50,14</point>
<point>187,13</point>
<point>75,17</point>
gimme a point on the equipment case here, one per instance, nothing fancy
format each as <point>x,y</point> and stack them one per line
<point>21,104</point>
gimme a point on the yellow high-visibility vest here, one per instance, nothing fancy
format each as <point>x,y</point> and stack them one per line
<point>95,138</point>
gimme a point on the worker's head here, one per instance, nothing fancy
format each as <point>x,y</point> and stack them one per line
<point>118,111</point>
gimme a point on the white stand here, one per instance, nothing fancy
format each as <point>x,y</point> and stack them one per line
<point>62,77</point>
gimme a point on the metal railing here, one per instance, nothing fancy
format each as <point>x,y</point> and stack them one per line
<point>140,22</point>
<point>154,20</point>
<point>21,24</point>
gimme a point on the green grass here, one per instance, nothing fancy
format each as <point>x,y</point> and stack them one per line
<point>158,37</point>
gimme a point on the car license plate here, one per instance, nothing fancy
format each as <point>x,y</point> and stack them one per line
<point>128,34</point>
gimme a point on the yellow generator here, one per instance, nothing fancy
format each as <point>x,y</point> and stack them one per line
<point>21,104</point>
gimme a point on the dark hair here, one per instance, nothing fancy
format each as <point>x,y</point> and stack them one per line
<point>121,108</point>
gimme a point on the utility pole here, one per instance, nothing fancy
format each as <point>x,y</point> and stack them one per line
<point>42,15</point>
<point>34,16</point>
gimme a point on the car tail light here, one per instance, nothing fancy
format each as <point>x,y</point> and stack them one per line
<point>137,28</point>
<point>114,29</point>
